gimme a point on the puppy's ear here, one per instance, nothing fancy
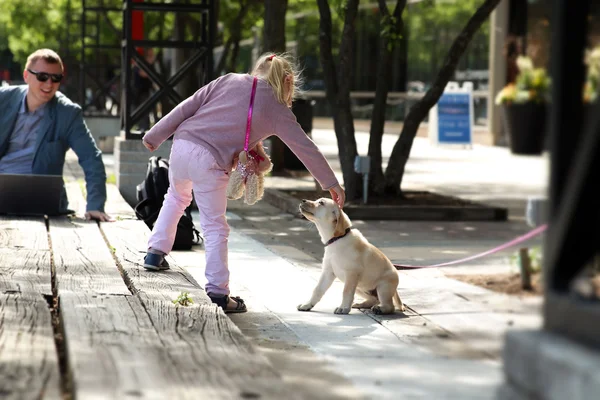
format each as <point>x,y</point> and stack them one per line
<point>340,221</point>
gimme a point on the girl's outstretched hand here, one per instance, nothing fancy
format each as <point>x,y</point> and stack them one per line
<point>338,195</point>
<point>148,145</point>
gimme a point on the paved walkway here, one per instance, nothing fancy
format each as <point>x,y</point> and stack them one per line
<point>448,343</point>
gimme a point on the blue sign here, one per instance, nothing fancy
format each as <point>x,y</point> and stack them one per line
<point>454,118</point>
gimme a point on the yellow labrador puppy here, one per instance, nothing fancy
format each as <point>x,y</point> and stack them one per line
<point>352,259</point>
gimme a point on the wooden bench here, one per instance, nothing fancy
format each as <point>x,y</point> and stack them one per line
<point>80,317</point>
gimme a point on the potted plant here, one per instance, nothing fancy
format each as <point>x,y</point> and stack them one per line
<point>524,104</point>
<point>592,80</point>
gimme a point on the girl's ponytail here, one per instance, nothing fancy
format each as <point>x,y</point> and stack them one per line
<point>275,68</point>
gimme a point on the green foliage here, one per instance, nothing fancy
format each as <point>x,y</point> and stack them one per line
<point>389,31</point>
<point>183,299</point>
<point>535,259</point>
<point>32,24</point>
<point>111,179</point>
<point>535,256</point>
<point>28,25</point>
<point>3,36</point>
<point>592,82</point>
<point>432,27</point>
<point>339,6</point>
<point>229,11</point>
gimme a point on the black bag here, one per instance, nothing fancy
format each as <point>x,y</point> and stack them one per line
<point>151,194</point>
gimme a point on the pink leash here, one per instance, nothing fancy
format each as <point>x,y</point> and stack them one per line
<point>504,246</point>
<point>250,109</point>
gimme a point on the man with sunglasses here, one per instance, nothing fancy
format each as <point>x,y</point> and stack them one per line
<point>38,125</point>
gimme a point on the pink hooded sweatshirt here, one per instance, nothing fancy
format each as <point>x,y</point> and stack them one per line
<point>215,118</point>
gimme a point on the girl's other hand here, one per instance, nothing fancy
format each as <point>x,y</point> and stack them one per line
<point>148,145</point>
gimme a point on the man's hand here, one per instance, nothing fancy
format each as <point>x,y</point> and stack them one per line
<point>338,195</point>
<point>148,145</point>
<point>98,216</point>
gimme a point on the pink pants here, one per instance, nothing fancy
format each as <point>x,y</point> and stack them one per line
<point>192,167</point>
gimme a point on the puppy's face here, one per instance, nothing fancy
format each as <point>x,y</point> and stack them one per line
<point>326,214</point>
<point>321,210</point>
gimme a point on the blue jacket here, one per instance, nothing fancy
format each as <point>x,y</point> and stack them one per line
<point>61,129</point>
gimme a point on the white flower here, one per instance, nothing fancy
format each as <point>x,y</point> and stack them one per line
<point>523,96</point>
<point>592,60</point>
<point>524,63</point>
<point>593,57</point>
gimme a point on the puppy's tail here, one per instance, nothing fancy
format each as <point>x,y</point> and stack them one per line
<point>398,302</point>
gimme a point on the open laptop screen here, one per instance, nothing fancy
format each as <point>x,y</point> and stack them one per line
<point>30,194</point>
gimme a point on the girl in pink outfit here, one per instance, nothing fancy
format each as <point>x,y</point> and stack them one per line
<point>209,132</point>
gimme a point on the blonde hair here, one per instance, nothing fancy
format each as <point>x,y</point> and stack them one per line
<point>47,55</point>
<point>275,68</point>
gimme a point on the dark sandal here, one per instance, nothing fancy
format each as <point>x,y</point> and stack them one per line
<point>223,302</point>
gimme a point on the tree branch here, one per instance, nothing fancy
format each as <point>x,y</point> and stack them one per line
<point>326,53</point>
<point>401,151</point>
<point>383,8</point>
<point>384,73</point>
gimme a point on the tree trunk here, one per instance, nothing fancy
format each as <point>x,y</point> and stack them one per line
<point>384,77</point>
<point>326,54</point>
<point>274,40</point>
<point>274,29</point>
<point>403,73</point>
<point>337,87</point>
<point>236,35</point>
<point>401,151</point>
<point>180,56</point>
<point>234,56</point>
<point>224,56</point>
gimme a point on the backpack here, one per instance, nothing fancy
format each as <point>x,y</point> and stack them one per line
<point>151,194</point>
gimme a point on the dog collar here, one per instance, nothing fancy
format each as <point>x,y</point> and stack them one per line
<point>335,238</point>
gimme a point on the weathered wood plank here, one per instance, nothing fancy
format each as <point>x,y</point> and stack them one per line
<point>116,206</point>
<point>129,238</point>
<point>116,351</point>
<point>25,271</point>
<point>145,346</point>
<point>77,201</point>
<point>24,256</point>
<point>111,347</point>
<point>83,261</point>
<point>28,358</point>
<point>23,232</point>
<point>200,339</point>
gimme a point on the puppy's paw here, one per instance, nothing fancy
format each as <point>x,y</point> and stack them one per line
<point>341,310</point>
<point>305,307</point>
<point>376,310</point>
<point>382,310</point>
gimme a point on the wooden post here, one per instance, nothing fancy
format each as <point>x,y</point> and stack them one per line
<point>525,266</point>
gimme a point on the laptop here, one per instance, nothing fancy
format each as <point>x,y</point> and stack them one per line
<point>30,194</point>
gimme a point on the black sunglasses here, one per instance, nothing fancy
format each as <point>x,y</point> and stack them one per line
<point>43,76</point>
